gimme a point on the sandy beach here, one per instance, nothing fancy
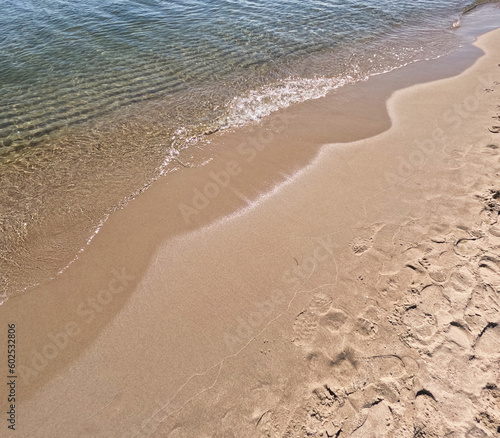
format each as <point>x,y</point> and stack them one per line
<point>349,290</point>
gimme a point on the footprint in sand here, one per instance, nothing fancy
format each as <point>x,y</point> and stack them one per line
<point>429,421</point>
<point>436,273</point>
<point>488,342</point>
<point>483,307</point>
<point>462,281</point>
<point>459,335</point>
<point>364,242</point>
<point>306,325</point>
<point>320,303</point>
<point>305,328</point>
<point>373,421</point>
<point>489,269</point>
<point>385,366</point>
<point>459,289</point>
<point>340,371</point>
<point>360,245</point>
<point>338,322</point>
<point>334,320</point>
<point>344,368</point>
<point>422,325</point>
<point>365,328</point>
<point>468,248</point>
<point>495,230</point>
<point>432,300</point>
<point>419,315</point>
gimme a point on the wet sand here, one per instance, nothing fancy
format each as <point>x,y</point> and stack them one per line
<point>349,289</point>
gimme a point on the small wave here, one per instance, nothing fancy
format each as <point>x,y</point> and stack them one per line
<point>261,102</point>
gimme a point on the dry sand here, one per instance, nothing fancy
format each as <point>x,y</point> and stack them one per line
<point>360,297</point>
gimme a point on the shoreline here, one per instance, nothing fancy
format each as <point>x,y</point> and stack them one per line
<point>232,265</point>
<point>60,236</point>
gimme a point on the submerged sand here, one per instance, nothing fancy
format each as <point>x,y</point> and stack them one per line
<point>359,297</point>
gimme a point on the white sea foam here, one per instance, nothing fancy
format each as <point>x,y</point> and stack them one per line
<point>263,101</point>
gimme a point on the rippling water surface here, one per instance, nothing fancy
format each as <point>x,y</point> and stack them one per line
<point>96,95</point>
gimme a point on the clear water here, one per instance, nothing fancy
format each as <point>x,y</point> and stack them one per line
<point>95,95</point>
<point>64,62</point>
